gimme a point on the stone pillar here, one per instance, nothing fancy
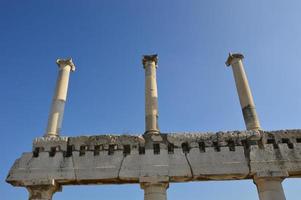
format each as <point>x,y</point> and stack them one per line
<point>154,191</point>
<point>244,92</point>
<point>151,94</point>
<point>42,192</point>
<point>270,188</point>
<point>58,103</point>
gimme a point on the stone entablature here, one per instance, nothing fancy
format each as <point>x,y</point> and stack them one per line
<point>177,157</point>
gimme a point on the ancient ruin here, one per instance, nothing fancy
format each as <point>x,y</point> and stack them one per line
<point>155,159</point>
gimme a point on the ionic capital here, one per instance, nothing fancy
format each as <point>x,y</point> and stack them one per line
<point>233,58</point>
<point>65,62</point>
<point>150,58</point>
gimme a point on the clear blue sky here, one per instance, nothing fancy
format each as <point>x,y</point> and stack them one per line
<point>106,40</point>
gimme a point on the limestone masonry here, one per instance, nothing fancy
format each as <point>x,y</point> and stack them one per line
<point>154,159</point>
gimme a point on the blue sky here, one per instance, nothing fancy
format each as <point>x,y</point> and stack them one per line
<point>106,40</point>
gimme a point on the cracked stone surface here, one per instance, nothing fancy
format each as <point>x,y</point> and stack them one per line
<point>177,157</point>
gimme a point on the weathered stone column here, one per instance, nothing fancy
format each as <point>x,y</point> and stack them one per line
<point>154,191</point>
<point>154,187</point>
<point>42,192</point>
<point>244,92</point>
<point>58,103</point>
<point>270,188</point>
<point>151,94</point>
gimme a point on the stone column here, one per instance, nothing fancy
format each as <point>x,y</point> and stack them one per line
<point>42,192</point>
<point>58,103</point>
<point>151,94</point>
<point>270,188</point>
<point>244,92</point>
<point>154,191</point>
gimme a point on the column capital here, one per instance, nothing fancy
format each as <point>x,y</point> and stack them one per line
<point>150,58</point>
<point>64,62</point>
<point>164,185</point>
<point>271,175</point>
<point>233,57</point>
<point>43,192</point>
<point>154,181</point>
<point>259,180</point>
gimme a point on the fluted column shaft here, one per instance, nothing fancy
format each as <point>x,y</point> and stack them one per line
<point>244,92</point>
<point>60,94</point>
<point>151,94</point>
